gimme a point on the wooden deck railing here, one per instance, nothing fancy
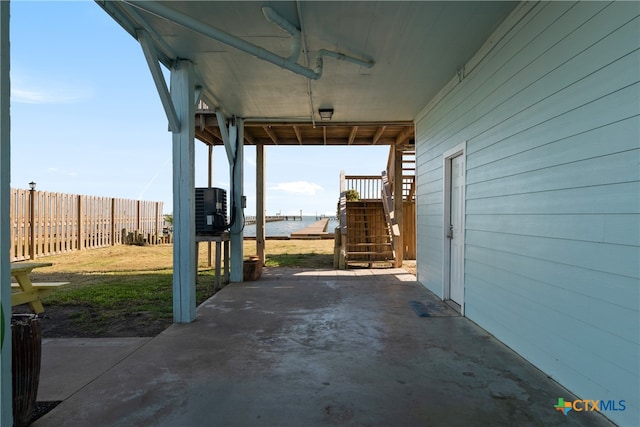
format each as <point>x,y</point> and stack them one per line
<point>46,223</point>
<point>367,186</point>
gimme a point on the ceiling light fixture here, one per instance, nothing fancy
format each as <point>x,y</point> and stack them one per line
<point>325,113</point>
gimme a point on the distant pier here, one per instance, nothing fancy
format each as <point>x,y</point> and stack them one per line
<point>250,220</point>
<point>317,230</point>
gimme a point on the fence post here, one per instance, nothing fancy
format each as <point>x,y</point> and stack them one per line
<point>32,221</point>
<point>80,225</point>
<point>113,221</point>
<point>157,231</point>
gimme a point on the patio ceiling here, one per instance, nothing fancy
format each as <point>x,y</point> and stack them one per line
<point>381,62</point>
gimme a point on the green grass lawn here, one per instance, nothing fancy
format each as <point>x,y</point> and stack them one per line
<point>123,289</point>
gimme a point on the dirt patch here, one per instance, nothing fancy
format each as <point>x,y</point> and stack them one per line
<point>70,321</point>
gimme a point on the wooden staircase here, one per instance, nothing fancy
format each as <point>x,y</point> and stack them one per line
<point>367,239</point>
<point>369,232</point>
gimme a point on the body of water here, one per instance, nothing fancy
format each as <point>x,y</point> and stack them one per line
<point>285,228</point>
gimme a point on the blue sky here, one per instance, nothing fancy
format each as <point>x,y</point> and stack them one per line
<point>86,119</point>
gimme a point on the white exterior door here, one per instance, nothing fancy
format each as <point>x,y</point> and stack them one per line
<point>456,231</point>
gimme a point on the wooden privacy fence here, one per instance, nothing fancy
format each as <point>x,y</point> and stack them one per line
<point>45,223</point>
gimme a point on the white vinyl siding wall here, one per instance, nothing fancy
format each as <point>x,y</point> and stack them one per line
<point>551,118</point>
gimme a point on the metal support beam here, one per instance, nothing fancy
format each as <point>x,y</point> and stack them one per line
<point>236,137</point>
<point>209,184</point>
<point>224,134</point>
<point>184,246</point>
<point>6,412</point>
<point>233,138</point>
<point>260,203</point>
<point>158,79</point>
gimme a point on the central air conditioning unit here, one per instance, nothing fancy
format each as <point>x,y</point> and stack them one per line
<point>211,211</point>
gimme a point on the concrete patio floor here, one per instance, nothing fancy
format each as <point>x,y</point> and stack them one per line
<point>305,348</point>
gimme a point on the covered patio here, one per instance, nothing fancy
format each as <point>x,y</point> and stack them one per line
<point>306,348</point>
<point>292,73</point>
<point>345,347</point>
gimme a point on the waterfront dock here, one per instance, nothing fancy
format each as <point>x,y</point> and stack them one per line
<point>250,220</point>
<point>317,230</point>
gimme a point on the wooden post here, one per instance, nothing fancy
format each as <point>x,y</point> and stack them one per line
<point>184,256</point>
<point>260,206</point>
<point>32,224</point>
<point>113,221</point>
<point>157,224</point>
<point>397,204</point>
<point>6,413</point>
<point>80,225</point>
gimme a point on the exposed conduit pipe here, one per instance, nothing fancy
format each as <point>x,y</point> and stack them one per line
<point>343,57</point>
<point>305,57</point>
<point>169,14</point>
<point>296,42</point>
<point>186,21</point>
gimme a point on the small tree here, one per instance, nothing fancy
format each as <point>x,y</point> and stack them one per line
<point>352,195</point>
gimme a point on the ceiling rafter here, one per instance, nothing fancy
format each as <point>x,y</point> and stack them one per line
<point>404,135</point>
<point>248,137</point>
<point>296,130</point>
<point>271,134</point>
<point>215,133</point>
<point>205,136</point>
<point>352,135</point>
<point>304,133</point>
<point>378,134</point>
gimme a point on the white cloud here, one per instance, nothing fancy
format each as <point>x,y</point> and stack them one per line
<point>29,88</point>
<point>51,97</point>
<point>298,187</point>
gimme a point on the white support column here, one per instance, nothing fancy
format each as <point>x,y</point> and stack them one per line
<point>184,246</point>
<point>260,205</point>
<point>6,412</point>
<point>237,178</point>
<point>209,184</point>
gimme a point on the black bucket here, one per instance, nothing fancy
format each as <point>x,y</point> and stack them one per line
<point>26,341</point>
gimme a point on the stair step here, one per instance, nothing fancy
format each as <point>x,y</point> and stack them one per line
<point>386,253</point>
